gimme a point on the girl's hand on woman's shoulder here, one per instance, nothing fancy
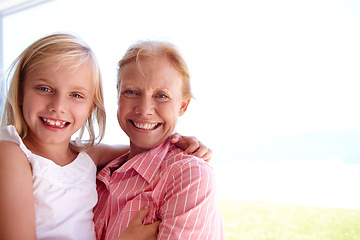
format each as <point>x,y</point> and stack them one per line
<point>191,145</point>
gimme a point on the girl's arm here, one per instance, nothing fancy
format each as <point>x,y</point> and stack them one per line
<point>17,218</point>
<point>102,154</point>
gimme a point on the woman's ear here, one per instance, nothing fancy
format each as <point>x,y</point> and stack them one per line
<point>184,106</point>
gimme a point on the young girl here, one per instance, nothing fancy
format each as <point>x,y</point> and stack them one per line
<point>47,181</point>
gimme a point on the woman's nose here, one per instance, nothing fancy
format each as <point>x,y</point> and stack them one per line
<point>145,106</point>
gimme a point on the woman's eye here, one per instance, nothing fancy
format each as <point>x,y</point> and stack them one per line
<point>130,93</point>
<point>162,96</point>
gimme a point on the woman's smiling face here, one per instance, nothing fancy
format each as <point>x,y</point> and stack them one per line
<point>150,102</point>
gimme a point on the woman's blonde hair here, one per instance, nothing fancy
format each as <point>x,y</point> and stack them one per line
<point>146,49</point>
<point>60,51</point>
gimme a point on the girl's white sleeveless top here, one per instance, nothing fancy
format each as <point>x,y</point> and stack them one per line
<point>64,196</point>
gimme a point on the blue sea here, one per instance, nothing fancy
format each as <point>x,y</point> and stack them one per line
<point>319,169</point>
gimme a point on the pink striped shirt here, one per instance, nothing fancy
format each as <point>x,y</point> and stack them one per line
<point>179,188</point>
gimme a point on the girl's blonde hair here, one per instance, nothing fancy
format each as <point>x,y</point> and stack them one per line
<point>59,51</point>
<point>146,49</point>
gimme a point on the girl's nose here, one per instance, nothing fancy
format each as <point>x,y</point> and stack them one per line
<point>57,104</point>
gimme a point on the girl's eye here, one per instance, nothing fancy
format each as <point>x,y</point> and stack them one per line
<point>76,95</point>
<point>44,89</point>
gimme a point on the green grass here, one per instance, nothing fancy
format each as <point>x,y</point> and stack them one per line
<point>245,220</point>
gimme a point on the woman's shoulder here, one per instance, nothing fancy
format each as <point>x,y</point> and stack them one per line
<point>180,165</point>
<point>180,158</point>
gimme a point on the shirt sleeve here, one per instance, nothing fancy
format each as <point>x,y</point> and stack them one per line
<point>189,209</point>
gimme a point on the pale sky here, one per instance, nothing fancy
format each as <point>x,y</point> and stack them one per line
<point>259,68</point>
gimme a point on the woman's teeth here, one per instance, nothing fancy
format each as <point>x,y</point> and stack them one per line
<point>54,123</point>
<point>146,126</point>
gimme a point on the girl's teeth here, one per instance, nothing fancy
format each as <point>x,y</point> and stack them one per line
<point>56,123</point>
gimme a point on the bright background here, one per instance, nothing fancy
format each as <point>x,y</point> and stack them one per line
<point>276,84</point>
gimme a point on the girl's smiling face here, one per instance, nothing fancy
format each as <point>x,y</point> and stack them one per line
<point>150,102</point>
<point>56,102</point>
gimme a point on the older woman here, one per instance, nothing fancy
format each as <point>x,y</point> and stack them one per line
<point>154,90</point>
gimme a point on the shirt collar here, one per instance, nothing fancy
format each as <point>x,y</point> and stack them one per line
<point>147,163</point>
